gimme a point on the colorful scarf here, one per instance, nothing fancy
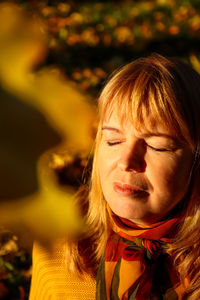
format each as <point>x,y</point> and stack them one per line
<point>135,264</point>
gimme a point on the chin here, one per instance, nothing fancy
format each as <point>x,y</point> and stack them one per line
<point>128,212</point>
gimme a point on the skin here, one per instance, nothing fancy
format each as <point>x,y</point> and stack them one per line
<point>144,174</point>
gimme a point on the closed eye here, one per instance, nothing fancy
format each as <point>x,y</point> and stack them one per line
<point>113,143</point>
<point>160,149</point>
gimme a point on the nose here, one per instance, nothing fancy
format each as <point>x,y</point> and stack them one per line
<point>132,158</point>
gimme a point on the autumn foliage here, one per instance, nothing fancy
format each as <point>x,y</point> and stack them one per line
<point>55,57</point>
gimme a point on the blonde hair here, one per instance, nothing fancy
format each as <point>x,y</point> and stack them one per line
<point>166,90</point>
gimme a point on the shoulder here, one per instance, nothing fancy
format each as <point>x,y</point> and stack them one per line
<point>51,280</point>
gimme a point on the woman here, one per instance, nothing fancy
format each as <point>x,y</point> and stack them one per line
<point>142,207</point>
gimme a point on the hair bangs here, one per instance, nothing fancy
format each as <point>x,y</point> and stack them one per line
<point>146,100</point>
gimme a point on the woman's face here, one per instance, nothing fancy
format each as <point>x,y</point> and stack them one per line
<point>144,174</point>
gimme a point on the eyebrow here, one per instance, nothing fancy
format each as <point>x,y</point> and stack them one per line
<point>111,129</point>
<point>144,135</point>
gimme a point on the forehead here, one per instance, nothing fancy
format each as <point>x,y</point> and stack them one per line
<point>114,119</point>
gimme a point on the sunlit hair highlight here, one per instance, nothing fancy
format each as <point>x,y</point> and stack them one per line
<point>154,89</point>
<point>148,91</point>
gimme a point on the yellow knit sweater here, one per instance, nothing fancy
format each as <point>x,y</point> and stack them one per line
<point>51,281</point>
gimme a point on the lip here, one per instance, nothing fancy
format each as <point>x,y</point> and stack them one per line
<point>127,190</point>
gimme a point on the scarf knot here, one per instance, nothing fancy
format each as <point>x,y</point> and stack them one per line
<point>135,265</point>
<point>153,248</point>
<point>144,250</point>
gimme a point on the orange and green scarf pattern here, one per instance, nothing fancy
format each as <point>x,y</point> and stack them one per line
<point>135,265</point>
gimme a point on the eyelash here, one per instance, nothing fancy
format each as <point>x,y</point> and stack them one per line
<point>158,149</point>
<point>113,143</point>
<point>153,148</point>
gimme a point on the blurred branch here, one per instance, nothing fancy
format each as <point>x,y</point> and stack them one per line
<point>41,114</point>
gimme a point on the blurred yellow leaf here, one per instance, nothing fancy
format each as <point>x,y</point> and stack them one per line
<point>123,34</point>
<point>40,114</point>
<point>195,62</point>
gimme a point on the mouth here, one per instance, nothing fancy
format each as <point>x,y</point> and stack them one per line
<point>127,190</point>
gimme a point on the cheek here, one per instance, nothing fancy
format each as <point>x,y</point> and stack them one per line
<point>171,176</point>
<point>107,165</point>
<point>107,161</point>
<point>103,165</point>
